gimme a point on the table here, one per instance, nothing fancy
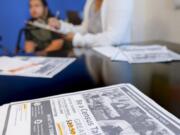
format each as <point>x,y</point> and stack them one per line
<point>160,81</point>
<point>74,78</point>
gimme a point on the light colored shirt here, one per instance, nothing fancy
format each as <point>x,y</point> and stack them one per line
<point>116,16</point>
<point>94,24</point>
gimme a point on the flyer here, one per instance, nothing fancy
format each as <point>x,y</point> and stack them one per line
<point>115,110</point>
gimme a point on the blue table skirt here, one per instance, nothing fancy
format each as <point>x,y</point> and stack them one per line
<point>73,78</point>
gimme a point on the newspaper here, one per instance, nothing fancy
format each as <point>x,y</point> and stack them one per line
<point>41,67</point>
<point>115,110</point>
<point>139,54</point>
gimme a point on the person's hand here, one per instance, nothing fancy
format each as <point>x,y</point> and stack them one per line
<point>69,37</point>
<point>54,23</point>
<point>41,53</point>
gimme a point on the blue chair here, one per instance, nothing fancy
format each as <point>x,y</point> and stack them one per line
<point>1,51</point>
<point>18,48</point>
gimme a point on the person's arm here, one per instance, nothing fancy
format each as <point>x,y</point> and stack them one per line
<point>68,27</point>
<point>118,19</point>
<point>65,27</point>
<point>54,46</point>
<point>30,44</point>
<point>29,47</point>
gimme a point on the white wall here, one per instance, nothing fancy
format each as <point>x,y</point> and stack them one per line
<point>156,20</point>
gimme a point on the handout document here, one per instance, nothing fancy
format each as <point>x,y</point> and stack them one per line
<point>139,54</point>
<point>7,63</point>
<point>41,67</point>
<point>115,110</point>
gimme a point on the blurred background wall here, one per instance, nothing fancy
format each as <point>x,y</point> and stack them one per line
<point>14,13</point>
<point>156,20</point>
<point>153,19</point>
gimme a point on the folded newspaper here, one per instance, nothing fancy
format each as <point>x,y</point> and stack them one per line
<point>139,54</point>
<point>115,110</point>
<point>41,67</point>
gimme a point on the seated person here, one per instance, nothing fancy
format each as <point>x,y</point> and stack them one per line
<point>106,22</point>
<point>40,41</point>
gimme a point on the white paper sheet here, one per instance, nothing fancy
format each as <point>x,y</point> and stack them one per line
<point>139,54</point>
<point>7,63</point>
<point>148,54</point>
<point>110,52</point>
<point>115,110</point>
<point>41,67</point>
<point>144,54</point>
<point>3,115</point>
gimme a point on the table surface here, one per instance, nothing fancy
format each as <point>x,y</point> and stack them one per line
<point>160,81</point>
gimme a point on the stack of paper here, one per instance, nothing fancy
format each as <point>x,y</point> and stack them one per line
<point>139,54</point>
<point>33,66</point>
<point>116,110</point>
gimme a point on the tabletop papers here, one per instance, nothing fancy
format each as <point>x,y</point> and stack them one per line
<point>41,67</point>
<point>116,110</point>
<point>139,54</point>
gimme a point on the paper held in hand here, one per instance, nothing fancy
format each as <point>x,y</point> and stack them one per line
<point>43,26</point>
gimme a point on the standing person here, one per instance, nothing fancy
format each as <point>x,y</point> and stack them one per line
<point>106,22</point>
<point>40,41</point>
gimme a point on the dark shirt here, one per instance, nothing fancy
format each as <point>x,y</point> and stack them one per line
<point>42,38</point>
